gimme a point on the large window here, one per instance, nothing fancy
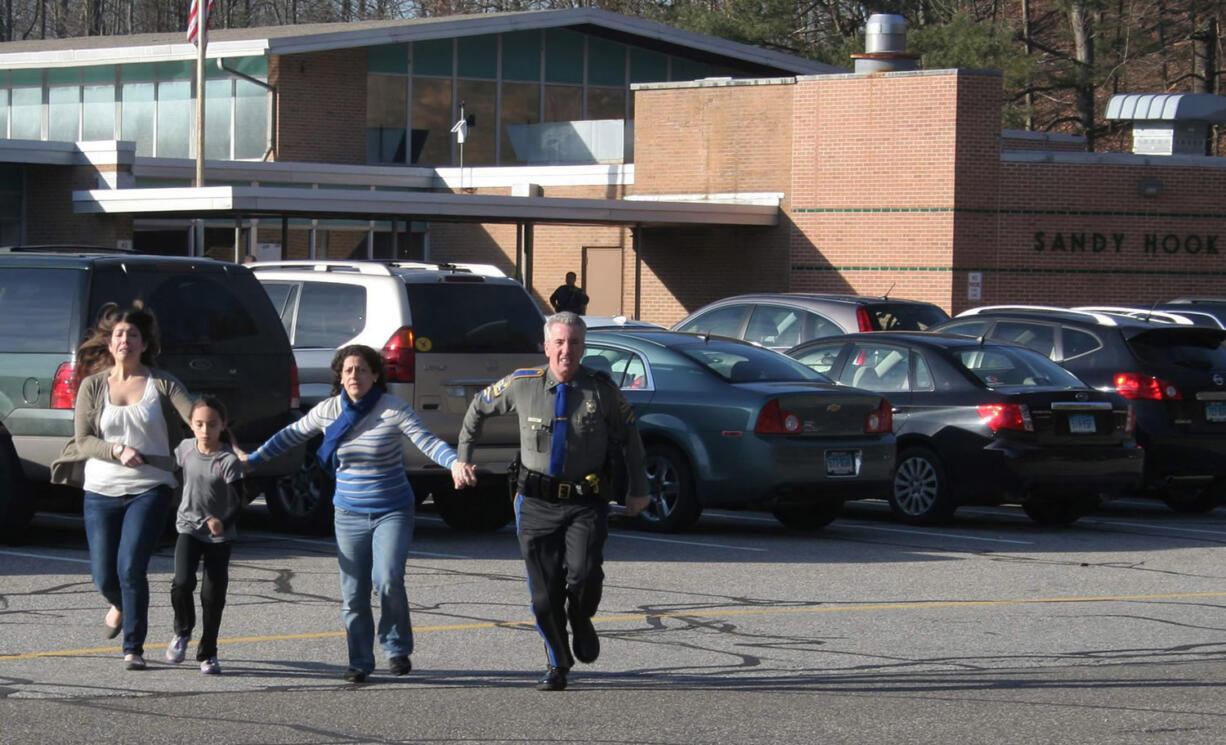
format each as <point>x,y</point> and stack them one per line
<point>538,96</point>
<point>152,104</point>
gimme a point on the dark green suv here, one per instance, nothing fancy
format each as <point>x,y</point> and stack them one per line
<point>220,335</point>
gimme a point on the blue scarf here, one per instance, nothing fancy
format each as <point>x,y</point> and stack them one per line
<point>352,412</point>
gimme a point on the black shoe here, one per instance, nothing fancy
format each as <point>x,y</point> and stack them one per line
<point>353,675</point>
<point>583,640</point>
<point>554,679</point>
<point>400,665</point>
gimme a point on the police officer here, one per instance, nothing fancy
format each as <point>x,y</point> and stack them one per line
<point>569,418</point>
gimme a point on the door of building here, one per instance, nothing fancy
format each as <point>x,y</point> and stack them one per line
<point>602,280</point>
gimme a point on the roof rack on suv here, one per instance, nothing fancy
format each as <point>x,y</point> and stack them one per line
<point>361,267</point>
<point>58,248</point>
<point>1097,317</point>
<point>377,266</point>
<point>1140,314</point>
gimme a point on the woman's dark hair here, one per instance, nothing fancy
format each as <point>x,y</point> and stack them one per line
<point>94,354</point>
<point>370,356</point>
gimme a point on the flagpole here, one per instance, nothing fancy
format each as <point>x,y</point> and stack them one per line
<point>202,38</point>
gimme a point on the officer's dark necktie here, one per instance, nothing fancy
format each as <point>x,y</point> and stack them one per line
<point>561,426</point>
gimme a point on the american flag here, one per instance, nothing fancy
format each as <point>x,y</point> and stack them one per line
<point>193,21</point>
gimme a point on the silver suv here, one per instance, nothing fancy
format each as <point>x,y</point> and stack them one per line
<point>445,332</point>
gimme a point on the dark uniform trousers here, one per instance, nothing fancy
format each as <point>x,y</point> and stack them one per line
<point>562,544</point>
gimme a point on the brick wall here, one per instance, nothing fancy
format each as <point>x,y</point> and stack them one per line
<point>321,106</point>
<point>49,212</point>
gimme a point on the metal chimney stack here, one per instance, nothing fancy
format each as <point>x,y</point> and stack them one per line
<point>885,46</point>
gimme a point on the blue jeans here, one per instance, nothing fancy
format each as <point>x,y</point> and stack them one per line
<point>373,548</point>
<point>122,533</point>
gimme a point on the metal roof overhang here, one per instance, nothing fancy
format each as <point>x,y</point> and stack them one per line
<point>361,204</point>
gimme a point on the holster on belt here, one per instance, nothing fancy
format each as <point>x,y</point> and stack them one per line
<point>550,488</point>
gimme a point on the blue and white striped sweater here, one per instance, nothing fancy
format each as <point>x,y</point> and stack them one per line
<point>370,472</point>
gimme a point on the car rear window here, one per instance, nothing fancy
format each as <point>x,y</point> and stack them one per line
<point>211,310</point>
<point>741,363</point>
<point>1004,366</point>
<point>905,316</point>
<point>1197,348</point>
<point>475,317</point>
<point>38,307</point>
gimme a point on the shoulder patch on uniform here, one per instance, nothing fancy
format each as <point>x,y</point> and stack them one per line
<point>528,372</point>
<point>497,389</point>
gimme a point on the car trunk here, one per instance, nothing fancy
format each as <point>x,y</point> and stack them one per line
<point>822,410</point>
<point>1193,363</point>
<point>1063,417</point>
<point>469,333</point>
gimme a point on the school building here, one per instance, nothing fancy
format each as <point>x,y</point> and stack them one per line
<point>666,168</point>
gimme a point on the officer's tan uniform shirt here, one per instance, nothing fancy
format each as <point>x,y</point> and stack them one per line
<point>595,410</point>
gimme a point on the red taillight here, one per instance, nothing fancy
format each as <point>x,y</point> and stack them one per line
<point>862,320</point>
<point>1145,387</point>
<point>1006,416</point>
<point>1130,422</point>
<point>774,420</point>
<point>398,357</point>
<point>295,388</point>
<point>881,420</point>
<point>64,387</point>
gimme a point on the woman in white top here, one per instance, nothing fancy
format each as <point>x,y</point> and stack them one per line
<point>127,415</point>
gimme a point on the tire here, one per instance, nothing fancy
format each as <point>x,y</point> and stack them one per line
<point>809,516</point>
<point>480,509</point>
<point>1198,501</point>
<point>17,498</point>
<point>302,502</point>
<point>673,505</point>
<point>1059,510</point>
<point>920,495</point>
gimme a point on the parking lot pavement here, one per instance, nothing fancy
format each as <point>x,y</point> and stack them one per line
<point>990,629</point>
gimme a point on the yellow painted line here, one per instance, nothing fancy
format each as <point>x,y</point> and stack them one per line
<point>688,614</point>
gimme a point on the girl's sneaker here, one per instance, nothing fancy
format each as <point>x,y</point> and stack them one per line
<point>133,662</point>
<point>177,649</point>
<point>210,667</point>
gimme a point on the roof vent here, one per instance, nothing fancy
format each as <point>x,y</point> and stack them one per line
<point>1168,123</point>
<point>885,45</point>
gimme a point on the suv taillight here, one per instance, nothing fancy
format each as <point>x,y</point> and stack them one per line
<point>295,387</point>
<point>64,387</point>
<point>774,420</point>
<point>1145,387</point>
<point>880,421</point>
<point>398,357</point>
<point>1006,416</point>
<point>862,320</point>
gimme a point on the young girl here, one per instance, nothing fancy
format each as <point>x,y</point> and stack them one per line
<point>206,524</point>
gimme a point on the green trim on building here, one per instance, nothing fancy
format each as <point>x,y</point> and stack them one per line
<point>979,211</point>
<point>1008,270</point>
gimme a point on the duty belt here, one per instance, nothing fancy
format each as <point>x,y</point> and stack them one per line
<point>552,489</point>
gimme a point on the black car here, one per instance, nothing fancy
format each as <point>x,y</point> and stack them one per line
<point>1174,376</point>
<point>981,422</point>
<point>219,335</point>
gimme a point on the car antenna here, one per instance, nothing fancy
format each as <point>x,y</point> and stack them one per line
<point>886,296</point>
<point>1150,312</point>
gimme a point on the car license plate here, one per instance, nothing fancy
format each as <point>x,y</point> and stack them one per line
<point>841,462</point>
<point>1081,424</point>
<point>1215,411</point>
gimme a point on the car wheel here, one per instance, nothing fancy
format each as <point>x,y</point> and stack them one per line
<point>1059,510</point>
<point>672,504</point>
<point>1195,501</point>
<point>17,500</point>
<point>482,509</point>
<point>921,494</point>
<point>302,501</point>
<point>809,516</point>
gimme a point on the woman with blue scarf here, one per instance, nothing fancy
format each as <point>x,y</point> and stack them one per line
<point>362,427</point>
